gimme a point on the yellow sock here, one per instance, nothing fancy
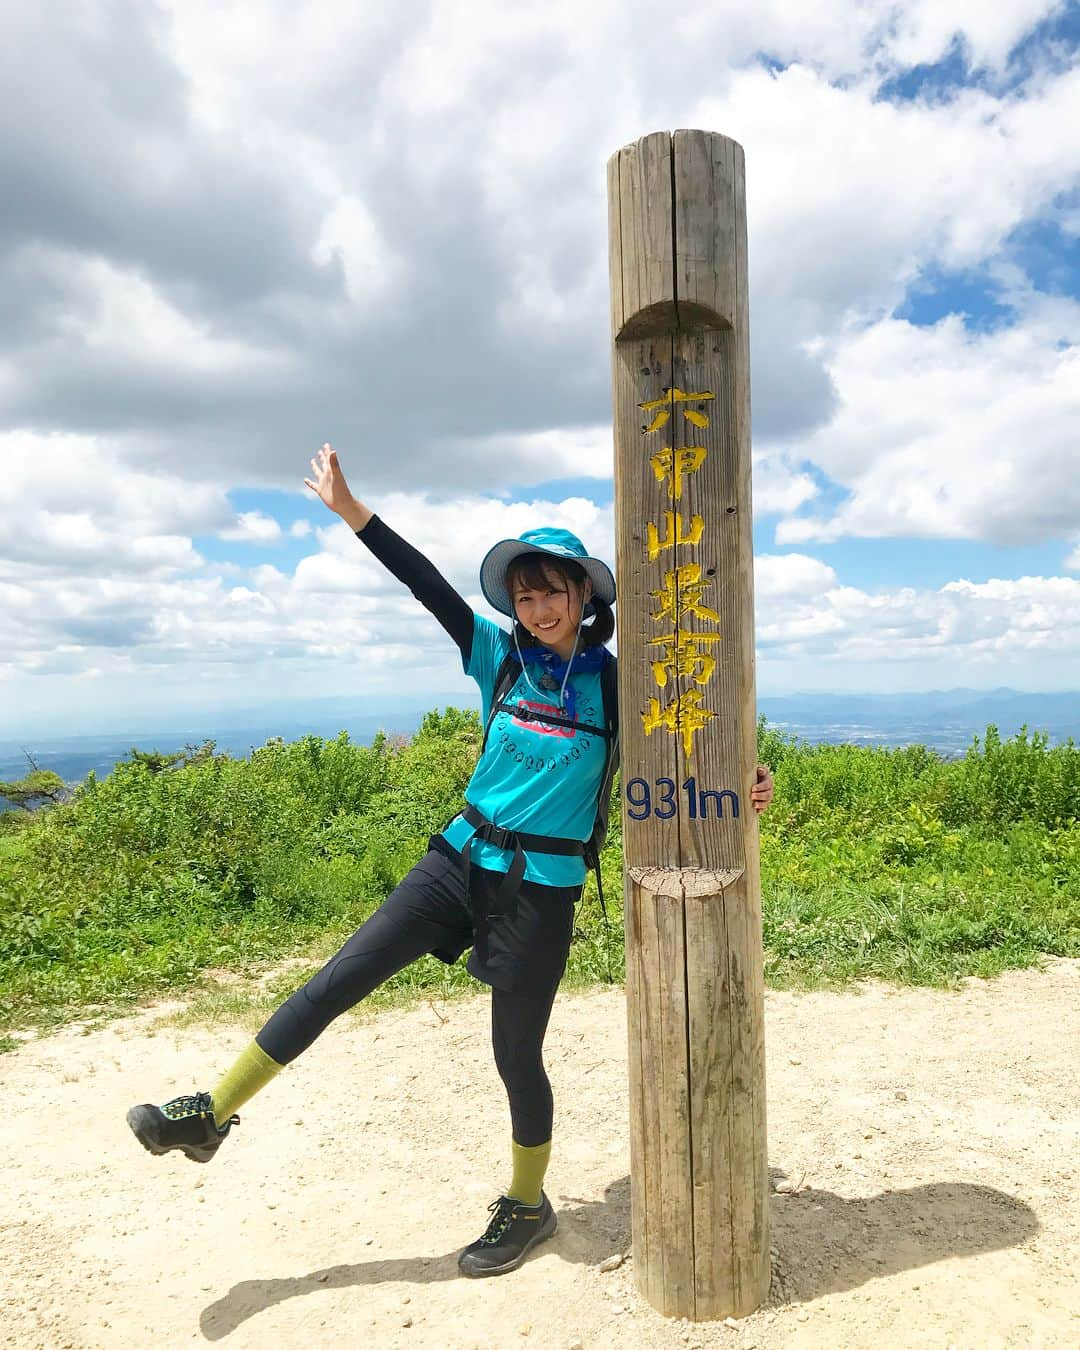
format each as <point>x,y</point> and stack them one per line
<point>252,1071</point>
<point>530,1164</point>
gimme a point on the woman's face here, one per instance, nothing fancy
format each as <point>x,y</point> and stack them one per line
<point>551,612</point>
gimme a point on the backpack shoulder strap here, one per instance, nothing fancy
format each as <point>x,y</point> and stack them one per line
<point>505,678</point>
<point>609,688</point>
<point>609,691</point>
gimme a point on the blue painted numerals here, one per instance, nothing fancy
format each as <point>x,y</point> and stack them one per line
<point>662,801</point>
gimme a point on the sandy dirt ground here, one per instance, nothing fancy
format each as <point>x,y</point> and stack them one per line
<point>934,1138</point>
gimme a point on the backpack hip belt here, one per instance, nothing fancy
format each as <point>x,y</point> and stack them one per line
<point>515,841</point>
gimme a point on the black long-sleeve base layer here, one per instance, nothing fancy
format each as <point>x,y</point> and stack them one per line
<point>423,578</point>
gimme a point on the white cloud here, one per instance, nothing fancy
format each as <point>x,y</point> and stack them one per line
<point>945,433</point>
<point>245,228</point>
<point>922,31</point>
<point>873,36</point>
<point>786,576</point>
<point>558,452</point>
<point>131,320</point>
<point>117,315</point>
<point>71,505</point>
<point>390,193</point>
<point>848,195</point>
<point>253,527</point>
<point>349,235</point>
<point>455,534</point>
<point>339,605</point>
<point>779,487</point>
<point>978,633</point>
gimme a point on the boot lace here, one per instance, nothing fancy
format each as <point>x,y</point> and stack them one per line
<point>182,1107</point>
<point>502,1212</point>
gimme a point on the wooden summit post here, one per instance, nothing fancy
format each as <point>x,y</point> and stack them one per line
<point>681,384</point>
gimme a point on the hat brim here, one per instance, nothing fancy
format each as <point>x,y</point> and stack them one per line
<point>501,555</point>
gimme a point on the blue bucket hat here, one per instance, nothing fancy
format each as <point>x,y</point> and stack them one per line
<point>558,544</point>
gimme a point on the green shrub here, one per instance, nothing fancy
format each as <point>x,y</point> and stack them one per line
<point>892,863</point>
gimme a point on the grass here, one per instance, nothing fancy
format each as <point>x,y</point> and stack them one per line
<point>890,864</point>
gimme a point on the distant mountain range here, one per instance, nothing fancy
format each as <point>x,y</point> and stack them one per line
<point>946,720</point>
<point>945,703</point>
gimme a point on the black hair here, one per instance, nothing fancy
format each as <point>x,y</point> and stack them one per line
<point>528,569</point>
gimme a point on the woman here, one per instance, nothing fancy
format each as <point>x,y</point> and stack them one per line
<point>506,890</point>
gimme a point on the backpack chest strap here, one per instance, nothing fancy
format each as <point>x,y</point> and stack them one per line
<point>521,712</point>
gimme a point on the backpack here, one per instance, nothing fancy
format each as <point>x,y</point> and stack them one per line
<point>505,679</point>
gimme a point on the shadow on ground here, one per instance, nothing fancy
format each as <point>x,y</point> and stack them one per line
<point>825,1244</point>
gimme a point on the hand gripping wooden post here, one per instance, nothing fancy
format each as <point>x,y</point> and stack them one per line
<point>677,233</point>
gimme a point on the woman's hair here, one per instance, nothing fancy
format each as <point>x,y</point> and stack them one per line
<point>530,570</point>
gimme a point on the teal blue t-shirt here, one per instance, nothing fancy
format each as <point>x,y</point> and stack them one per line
<point>533,778</point>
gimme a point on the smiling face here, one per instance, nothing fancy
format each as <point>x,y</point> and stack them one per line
<point>548,602</point>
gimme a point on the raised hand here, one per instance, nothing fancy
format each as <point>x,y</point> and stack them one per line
<point>329,482</point>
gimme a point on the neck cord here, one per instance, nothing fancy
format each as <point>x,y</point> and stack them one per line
<point>569,664</point>
<point>524,667</point>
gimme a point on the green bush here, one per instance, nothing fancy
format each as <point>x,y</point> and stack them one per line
<point>892,863</point>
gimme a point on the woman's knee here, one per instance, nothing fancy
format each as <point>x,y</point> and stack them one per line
<point>308,1011</point>
<point>523,1076</point>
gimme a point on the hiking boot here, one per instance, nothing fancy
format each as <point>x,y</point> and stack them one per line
<point>186,1123</point>
<point>514,1230</point>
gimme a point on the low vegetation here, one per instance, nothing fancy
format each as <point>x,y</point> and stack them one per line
<point>883,863</point>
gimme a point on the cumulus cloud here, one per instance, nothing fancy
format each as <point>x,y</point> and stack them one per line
<point>780,486</point>
<point>73,506</point>
<point>804,613</point>
<point>784,576</point>
<point>241,228</point>
<point>945,433</point>
<point>454,533</point>
<point>341,623</point>
<point>232,233</point>
<point>253,527</point>
<point>338,603</point>
<point>848,195</point>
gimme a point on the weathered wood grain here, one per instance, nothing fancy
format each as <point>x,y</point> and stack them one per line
<point>644,261</point>
<point>640,371</point>
<point>645,1237</point>
<point>673,1102</point>
<point>745,938</point>
<point>706,259</point>
<point>716,1159</point>
<point>648,1000</point>
<point>684,557</point>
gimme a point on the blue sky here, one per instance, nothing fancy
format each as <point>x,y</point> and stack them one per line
<point>244,232</point>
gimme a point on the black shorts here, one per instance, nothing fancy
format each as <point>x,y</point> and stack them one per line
<point>528,938</point>
<point>520,950</point>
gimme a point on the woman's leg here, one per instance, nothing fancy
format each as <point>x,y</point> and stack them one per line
<point>523,1216</point>
<point>425,912</point>
<point>518,1024</point>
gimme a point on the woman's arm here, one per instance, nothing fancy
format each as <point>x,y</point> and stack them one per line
<point>399,558</point>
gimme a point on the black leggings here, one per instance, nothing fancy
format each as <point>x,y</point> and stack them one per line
<point>429,912</point>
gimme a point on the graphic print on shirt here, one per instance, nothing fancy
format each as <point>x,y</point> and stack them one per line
<point>530,743</point>
<point>543,728</point>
